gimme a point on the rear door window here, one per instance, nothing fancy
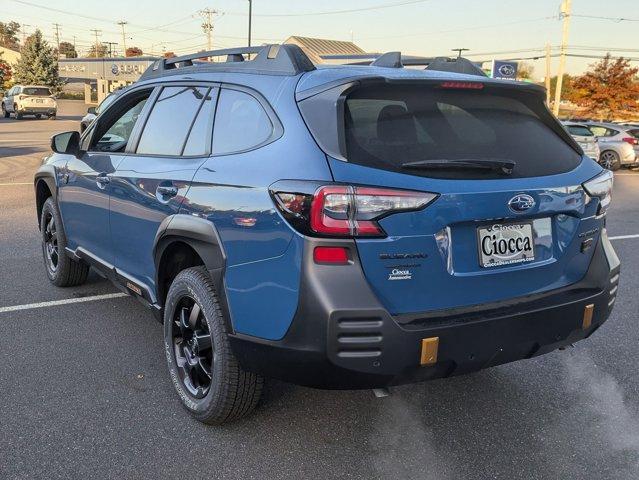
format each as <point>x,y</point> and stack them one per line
<point>388,126</point>
<point>170,120</point>
<point>241,123</point>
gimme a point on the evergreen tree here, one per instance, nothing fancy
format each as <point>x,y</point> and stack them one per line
<point>38,64</point>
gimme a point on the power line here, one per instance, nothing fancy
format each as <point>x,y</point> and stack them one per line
<point>614,19</point>
<point>334,12</point>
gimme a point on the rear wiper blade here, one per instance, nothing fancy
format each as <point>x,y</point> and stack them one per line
<point>504,166</point>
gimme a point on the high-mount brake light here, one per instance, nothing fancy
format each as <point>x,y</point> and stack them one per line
<point>347,211</point>
<point>462,85</point>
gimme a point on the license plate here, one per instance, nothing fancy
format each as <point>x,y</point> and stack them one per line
<point>505,244</point>
<point>39,100</point>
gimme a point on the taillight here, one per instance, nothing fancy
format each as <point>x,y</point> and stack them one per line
<point>347,211</point>
<point>601,187</point>
<point>630,140</point>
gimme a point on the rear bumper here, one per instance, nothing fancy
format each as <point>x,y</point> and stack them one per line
<point>33,110</point>
<point>343,338</point>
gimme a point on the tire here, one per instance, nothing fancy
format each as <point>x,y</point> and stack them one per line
<point>52,117</point>
<point>610,159</point>
<point>5,114</point>
<point>38,116</point>
<point>62,270</point>
<point>17,114</point>
<point>212,386</point>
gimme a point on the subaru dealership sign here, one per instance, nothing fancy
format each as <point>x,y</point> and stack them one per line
<point>504,70</point>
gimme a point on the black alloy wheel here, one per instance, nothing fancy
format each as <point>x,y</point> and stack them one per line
<point>50,243</point>
<point>193,348</point>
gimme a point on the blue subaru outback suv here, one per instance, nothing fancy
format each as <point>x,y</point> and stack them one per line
<point>334,226</point>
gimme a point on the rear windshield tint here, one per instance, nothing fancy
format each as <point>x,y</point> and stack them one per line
<point>40,92</point>
<point>387,126</point>
<point>579,130</point>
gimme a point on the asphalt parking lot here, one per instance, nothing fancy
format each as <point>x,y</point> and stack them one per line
<point>84,390</point>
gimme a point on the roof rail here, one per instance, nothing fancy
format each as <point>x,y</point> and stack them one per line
<point>272,59</point>
<point>397,60</point>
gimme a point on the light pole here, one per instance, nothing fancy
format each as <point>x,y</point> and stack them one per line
<point>249,25</point>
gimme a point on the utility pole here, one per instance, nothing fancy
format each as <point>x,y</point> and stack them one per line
<point>57,36</point>
<point>250,18</point>
<point>547,79</point>
<point>97,42</point>
<point>207,26</point>
<point>122,23</point>
<point>110,44</point>
<point>24,34</point>
<point>565,16</point>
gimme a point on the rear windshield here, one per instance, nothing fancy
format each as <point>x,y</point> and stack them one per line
<point>387,126</point>
<point>580,130</point>
<point>36,91</point>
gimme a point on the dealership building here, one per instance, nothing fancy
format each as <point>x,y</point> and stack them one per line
<point>101,76</point>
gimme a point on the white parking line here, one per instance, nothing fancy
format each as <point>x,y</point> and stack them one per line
<point>15,183</point>
<point>54,303</point>
<point>623,237</point>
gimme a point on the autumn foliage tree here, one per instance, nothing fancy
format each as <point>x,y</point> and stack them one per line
<point>5,73</point>
<point>133,52</point>
<point>609,89</point>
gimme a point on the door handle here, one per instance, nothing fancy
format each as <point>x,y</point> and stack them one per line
<point>102,180</point>
<point>166,191</point>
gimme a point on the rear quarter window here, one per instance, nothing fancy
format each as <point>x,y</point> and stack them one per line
<point>387,126</point>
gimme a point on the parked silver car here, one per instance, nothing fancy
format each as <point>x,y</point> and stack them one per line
<point>586,139</point>
<point>93,112</point>
<point>619,148</point>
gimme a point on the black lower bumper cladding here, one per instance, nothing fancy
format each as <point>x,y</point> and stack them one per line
<point>342,337</point>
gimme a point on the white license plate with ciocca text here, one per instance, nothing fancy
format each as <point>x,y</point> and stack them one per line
<point>505,244</point>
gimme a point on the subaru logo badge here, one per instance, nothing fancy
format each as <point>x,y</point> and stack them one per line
<point>521,203</point>
<point>507,70</point>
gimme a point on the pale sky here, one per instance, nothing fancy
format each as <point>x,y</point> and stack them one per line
<point>489,28</point>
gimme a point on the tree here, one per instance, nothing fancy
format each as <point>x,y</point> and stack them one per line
<point>68,50</point>
<point>525,71</point>
<point>5,73</point>
<point>608,89</point>
<point>38,64</point>
<point>9,35</point>
<point>98,51</point>
<point>133,52</point>
<point>568,91</point>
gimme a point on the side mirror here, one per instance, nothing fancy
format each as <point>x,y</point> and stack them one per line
<point>91,110</point>
<point>67,142</point>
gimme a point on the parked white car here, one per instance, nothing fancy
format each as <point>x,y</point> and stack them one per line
<point>585,138</point>
<point>24,100</point>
